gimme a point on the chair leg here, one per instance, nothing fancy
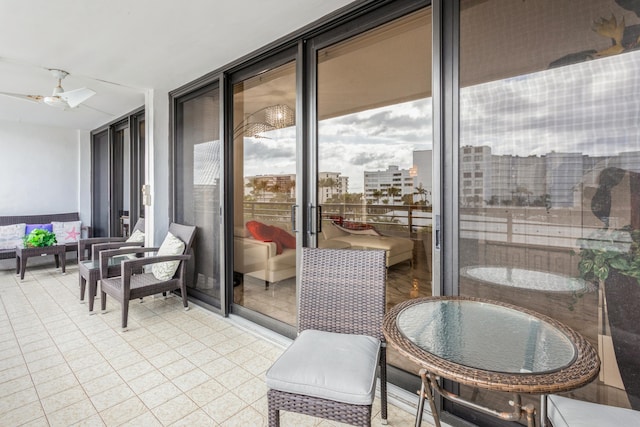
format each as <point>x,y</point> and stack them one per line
<point>83,285</point>
<point>183,291</point>
<point>383,383</point>
<point>103,301</point>
<point>274,414</point>
<point>125,314</point>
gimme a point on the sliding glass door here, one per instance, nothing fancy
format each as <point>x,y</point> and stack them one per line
<point>549,172</point>
<point>374,166</point>
<point>118,151</point>
<point>197,180</point>
<point>265,159</point>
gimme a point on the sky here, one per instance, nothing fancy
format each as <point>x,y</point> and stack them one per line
<point>590,107</point>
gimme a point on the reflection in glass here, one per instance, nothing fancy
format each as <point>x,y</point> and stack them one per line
<point>264,168</point>
<point>374,178</point>
<point>198,179</point>
<point>549,161</point>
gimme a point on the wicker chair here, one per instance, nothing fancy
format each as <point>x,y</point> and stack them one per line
<point>329,371</point>
<point>85,246</point>
<point>130,285</point>
<point>89,267</point>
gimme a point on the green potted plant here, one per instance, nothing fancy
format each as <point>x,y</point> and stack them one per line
<point>39,238</point>
<point>611,260</point>
<point>607,250</point>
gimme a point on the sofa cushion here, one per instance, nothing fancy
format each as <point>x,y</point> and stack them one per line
<point>11,235</point>
<point>31,227</point>
<point>67,232</point>
<point>330,231</point>
<point>328,365</point>
<point>393,244</point>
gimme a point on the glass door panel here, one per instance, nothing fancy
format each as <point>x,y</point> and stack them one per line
<point>198,188</point>
<point>549,171</point>
<point>100,184</point>
<point>374,177</point>
<point>264,181</point>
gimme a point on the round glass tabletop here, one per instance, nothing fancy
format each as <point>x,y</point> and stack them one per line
<point>486,336</point>
<point>526,279</point>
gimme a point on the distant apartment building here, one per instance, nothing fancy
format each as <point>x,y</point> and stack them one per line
<point>475,168</point>
<point>379,185</point>
<point>551,180</point>
<point>331,184</point>
<point>422,172</point>
<point>265,188</point>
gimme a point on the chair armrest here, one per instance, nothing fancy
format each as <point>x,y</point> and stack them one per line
<point>133,264</point>
<point>97,248</point>
<point>87,244</point>
<point>110,253</point>
<point>128,267</point>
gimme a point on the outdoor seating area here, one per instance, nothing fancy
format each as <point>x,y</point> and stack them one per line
<point>61,366</point>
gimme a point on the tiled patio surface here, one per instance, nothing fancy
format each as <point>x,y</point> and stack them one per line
<point>59,366</point>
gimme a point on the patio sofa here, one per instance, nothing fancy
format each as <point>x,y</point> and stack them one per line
<point>264,259</point>
<point>398,249</point>
<point>71,218</point>
<point>267,259</point>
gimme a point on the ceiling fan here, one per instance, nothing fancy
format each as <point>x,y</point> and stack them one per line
<point>59,98</point>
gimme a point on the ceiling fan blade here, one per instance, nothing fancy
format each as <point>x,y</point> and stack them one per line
<point>30,98</point>
<point>77,96</point>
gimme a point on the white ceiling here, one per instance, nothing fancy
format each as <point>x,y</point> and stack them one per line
<point>121,48</point>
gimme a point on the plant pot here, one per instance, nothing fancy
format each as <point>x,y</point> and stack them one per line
<point>622,294</point>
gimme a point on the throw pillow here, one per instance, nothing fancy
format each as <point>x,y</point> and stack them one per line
<point>31,227</point>
<point>264,233</point>
<point>11,235</point>
<point>284,238</point>
<point>136,237</point>
<point>170,246</point>
<point>260,231</point>
<point>67,232</point>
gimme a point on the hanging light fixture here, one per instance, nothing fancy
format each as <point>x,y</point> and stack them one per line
<point>279,116</point>
<point>266,119</point>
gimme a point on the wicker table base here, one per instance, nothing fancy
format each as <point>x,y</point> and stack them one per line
<point>22,254</point>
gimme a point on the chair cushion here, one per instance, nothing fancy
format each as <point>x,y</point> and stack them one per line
<point>565,412</point>
<point>170,246</point>
<point>136,237</point>
<point>328,365</point>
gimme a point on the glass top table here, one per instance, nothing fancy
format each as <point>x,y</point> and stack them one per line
<point>490,345</point>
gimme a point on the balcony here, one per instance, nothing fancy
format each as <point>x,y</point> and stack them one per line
<point>59,366</point>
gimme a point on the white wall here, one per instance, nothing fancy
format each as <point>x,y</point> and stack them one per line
<point>39,169</point>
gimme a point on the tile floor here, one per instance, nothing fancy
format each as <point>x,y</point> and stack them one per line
<point>59,366</point>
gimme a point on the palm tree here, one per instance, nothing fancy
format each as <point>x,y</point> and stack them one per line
<point>421,191</point>
<point>393,192</point>
<point>377,194</point>
<point>327,183</point>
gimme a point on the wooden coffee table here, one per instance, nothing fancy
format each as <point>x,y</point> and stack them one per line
<point>22,254</point>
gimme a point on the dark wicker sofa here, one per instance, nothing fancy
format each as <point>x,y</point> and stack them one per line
<point>40,219</point>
